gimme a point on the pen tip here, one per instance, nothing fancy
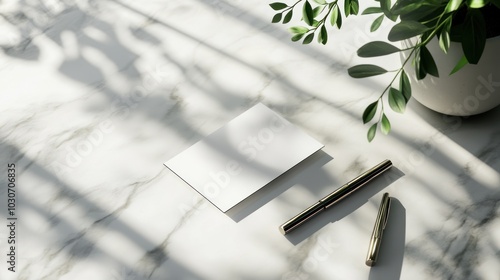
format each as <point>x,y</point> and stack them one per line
<point>370,262</point>
<point>282,230</point>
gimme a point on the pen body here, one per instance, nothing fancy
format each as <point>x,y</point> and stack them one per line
<point>302,217</point>
<point>356,183</point>
<point>335,196</point>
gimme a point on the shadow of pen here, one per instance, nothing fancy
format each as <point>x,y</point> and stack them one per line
<point>390,258</point>
<point>344,207</point>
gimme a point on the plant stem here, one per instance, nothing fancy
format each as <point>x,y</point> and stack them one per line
<point>322,21</point>
<point>436,28</point>
<point>291,7</point>
<point>397,73</point>
<point>433,33</point>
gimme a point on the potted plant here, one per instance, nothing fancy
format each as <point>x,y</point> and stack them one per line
<point>417,25</point>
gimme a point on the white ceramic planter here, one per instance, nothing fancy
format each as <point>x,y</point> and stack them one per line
<point>472,90</point>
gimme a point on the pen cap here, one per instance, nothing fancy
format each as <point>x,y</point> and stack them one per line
<point>380,224</point>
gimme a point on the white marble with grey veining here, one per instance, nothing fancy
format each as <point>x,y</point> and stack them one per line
<point>96,95</point>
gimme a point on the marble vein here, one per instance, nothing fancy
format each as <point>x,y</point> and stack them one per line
<point>81,244</point>
<point>454,252</point>
<point>154,258</point>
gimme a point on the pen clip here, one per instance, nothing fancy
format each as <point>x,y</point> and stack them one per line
<point>388,206</point>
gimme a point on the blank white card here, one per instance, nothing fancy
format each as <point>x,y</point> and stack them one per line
<point>243,156</point>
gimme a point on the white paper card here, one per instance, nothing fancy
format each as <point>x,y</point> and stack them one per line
<point>243,156</point>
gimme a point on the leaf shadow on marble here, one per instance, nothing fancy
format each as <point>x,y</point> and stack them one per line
<point>478,134</point>
<point>61,21</point>
<point>88,51</point>
<point>75,244</point>
<point>456,249</point>
<point>227,9</point>
<point>226,98</point>
<point>79,68</point>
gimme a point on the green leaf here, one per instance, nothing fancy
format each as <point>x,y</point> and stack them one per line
<point>365,70</point>
<point>376,23</point>
<point>397,101</point>
<point>307,13</point>
<point>334,16</point>
<point>405,30</point>
<point>297,37</point>
<point>354,7</point>
<point>405,86</point>
<point>444,37</point>
<point>278,6</point>
<point>308,39</point>
<point>377,48</point>
<point>323,35</point>
<point>385,125</point>
<point>317,11</point>
<point>347,8</point>
<point>288,17</point>
<point>461,63</point>
<point>419,66</point>
<point>339,19</point>
<point>321,2</point>
<point>428,62</point>
<point>276,18</point>
<point>385,6</point>
<point>402,7</point>
<point>419,10</point>
<point>424,13</point>
<point>453,5</point>
<point>428,14</point>
<point>473,36</point>
<point>426,36</point>
<point>371,132</point>
<point>320,37</point>
<point>370,111</point>
<point>299,29</point>
<point>372,10</point>
<point>476,4</point>
<point>444,41</point>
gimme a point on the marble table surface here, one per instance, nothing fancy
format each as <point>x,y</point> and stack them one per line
<point>97,95</point>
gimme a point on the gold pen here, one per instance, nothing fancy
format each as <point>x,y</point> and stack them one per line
<point>378,229</point>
